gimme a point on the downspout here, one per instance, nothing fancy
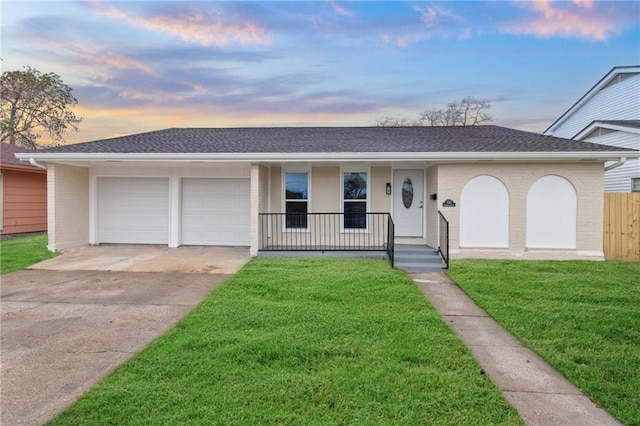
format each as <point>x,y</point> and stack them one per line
<point>617,164</point>
<point>33,162</point>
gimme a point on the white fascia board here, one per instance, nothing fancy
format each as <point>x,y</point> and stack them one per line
<point>325,157</point>
<point>590,94</point>
<point>590,128</point>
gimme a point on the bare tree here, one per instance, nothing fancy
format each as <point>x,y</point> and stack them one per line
<point>467,112</point>
<point>32,102</point>
<point>389,121</point>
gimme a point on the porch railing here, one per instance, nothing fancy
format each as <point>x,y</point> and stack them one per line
<point>443,232</point>
<point>326,232</point>
<point>391,235</point>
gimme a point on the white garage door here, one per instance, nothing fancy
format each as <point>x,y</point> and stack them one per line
<point>216,212</point>
<point>133,210</point>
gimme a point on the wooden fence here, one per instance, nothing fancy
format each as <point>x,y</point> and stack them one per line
<point>622,226</point>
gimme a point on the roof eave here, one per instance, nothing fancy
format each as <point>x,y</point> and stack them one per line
<point>594,125</point>
<point>320,157</point>
<point>590,94</point>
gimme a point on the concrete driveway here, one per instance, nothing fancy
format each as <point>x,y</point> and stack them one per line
<point>66,324</point>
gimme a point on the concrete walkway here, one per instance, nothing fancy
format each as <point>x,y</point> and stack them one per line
<point>541,395</point>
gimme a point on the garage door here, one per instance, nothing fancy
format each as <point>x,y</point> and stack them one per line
<point>133,210</point>
<point>215,212</point>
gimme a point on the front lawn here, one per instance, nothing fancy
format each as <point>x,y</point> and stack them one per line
<point>302,342</point>
<point>582,317</point>
<point>20,252</point>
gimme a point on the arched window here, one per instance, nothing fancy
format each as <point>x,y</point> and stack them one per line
<point>484,213</point>
<point>551,213</point>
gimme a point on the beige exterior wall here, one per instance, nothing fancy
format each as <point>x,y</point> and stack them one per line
<point>432,206</point>
<point>325,197</point>
<point>68,200</point>
<point>325,189</point>
<point>587,179</point>
<point>380,201</point>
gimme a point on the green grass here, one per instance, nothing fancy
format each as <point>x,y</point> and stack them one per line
<point>302,342</point>
<point>582,317</point>
<point>20,252</point>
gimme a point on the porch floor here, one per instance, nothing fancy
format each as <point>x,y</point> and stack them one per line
<point>408,257</point>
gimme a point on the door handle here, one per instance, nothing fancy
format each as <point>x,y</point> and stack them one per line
<point>421,205</point>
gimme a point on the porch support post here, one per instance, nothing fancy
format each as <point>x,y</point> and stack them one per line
<point>255,209</point>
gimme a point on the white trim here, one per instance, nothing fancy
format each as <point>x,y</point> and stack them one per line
<point>334,156</point>
<point>599,124</point>
<point>590,94</point>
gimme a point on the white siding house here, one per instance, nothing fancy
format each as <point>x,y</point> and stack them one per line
<point>608,114</point>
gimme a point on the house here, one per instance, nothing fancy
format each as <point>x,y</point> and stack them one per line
<point>609,114</point>
<point>23,193</point>
<point>505,193</point>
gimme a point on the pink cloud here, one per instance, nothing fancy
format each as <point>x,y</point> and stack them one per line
<point>580,18</point>
<point>193,26</point>
<point>340,10</point>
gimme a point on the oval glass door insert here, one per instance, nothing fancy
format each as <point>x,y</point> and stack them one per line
<point>407,193</point>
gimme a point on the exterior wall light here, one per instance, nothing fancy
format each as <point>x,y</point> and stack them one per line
<point>388,188</point>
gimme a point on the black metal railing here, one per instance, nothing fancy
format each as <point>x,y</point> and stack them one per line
<point>326,232</point>
<point>391,235</point>
<point>443,232</point>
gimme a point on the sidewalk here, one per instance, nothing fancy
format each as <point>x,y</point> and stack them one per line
<point>541,395</point>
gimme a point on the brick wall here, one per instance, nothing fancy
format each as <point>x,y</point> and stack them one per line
<point>68,199</point>
<point>587,179</point>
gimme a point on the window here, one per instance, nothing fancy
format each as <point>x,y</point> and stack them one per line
<point>635,184</point>
<point>296,199</point>
<point>355,200</point>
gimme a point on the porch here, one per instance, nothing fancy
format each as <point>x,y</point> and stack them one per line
<point>363,235</point>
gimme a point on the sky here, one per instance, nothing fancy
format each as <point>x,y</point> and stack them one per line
<point>138,66</point>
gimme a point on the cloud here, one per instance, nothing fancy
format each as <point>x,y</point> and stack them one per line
<point>205,27</point>
<point>340,10</point>
<point>579,18</point>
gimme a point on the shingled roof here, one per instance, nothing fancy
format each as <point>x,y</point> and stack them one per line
<point>7,156</point>
<point>298,140</point>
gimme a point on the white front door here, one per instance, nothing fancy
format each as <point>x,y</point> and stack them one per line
<point>408,202</point>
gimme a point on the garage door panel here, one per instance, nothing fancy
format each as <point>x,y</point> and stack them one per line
<point>215,211</point>
<point>133,210</point>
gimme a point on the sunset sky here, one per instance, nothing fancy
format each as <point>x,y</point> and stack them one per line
<point>148,65</point>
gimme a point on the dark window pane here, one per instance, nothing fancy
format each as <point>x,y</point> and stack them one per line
<point>296,214</point>
<point>355,215</point>
<point>296,186</point>
<point>355,186</point>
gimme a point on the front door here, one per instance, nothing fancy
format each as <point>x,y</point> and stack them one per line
<point>408,202</point>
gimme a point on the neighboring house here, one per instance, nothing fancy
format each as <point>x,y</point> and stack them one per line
<point>23,193</point>
<point>609,114</point>
<point>506,193</point>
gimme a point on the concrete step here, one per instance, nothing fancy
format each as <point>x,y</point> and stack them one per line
<point>417,258</point>
<point>419,267</point>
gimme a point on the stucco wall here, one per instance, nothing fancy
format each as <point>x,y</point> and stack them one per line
<point>587,179</point>
<point>68,199</point>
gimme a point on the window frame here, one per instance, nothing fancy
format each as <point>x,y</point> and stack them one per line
<point>285,171</point>
<point>355,169</point>
<point>635,181</point>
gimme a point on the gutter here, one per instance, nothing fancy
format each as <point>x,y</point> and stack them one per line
<point>617,164</point>
<point>335,156</point>
<point>33,162</point>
